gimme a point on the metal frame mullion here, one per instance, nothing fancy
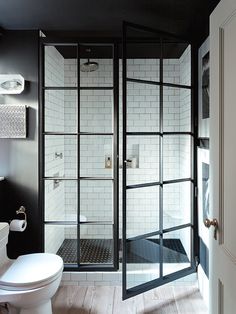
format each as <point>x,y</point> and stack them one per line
<point>178,133</point>
<point>41,143</point>
<point>97,87</point>
<point>124,96</point>
<point>94,134</point>
<point>60,88</point>
<point>115,156</point>
<point>59,133</point>
<point>161,163</point>
<point>161,183</point>
<point>78,154</point>
<point>68,222</point>
<point>96,178</point>
<point>76,88</point>
<point>177,181</point>
<point>142,185</point>
<point>166,84</point>
<point>194,129</point>
<point>142,133</point>
<point>151,234</point>
<point>157,32</point>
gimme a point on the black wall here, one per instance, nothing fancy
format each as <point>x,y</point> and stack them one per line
<point>19,157</point>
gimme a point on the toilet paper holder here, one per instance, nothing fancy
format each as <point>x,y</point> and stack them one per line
<point>22,210</point>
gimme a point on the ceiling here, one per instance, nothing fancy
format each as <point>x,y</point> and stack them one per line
<point>103,18</point>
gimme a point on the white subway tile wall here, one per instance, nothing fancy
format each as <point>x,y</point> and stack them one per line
<point>143,115</point>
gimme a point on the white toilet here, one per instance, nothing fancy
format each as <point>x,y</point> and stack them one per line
<point>28,283</point>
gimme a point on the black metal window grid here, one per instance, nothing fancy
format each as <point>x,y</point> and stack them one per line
<point>78,135</point>
<point>161,134</point>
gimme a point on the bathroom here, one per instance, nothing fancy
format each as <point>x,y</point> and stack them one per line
<point>107,171</point>
<point>98,171</point>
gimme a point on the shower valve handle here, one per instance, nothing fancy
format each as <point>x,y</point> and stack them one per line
<point>127,160</point>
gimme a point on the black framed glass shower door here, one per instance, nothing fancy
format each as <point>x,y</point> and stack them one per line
<point>79,143</point>
<point>158,175</point>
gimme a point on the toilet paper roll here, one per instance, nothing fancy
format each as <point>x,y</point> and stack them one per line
<point>18,225</point>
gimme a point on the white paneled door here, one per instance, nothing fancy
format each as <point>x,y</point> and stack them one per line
<point>223,158</point>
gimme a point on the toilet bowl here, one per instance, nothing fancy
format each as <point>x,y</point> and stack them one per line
<point>28,283</point>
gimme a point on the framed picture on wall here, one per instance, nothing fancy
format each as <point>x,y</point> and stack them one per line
<point>204,89</point>
<point>203,191</point>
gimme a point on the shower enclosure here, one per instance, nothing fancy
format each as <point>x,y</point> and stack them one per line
<point>80,172</point>
<point>117,156</point>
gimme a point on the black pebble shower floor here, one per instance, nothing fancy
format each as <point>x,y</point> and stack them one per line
<point>99,251</point>
<point>92,251</point>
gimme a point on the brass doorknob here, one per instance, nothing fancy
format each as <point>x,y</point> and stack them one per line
<point>208,223</point>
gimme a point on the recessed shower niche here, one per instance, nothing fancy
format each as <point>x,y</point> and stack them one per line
<point>82,105</point>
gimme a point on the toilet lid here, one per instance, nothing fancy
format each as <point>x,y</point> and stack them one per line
<point>27,271</point>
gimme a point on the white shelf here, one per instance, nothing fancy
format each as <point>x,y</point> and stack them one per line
<point>1,178</point>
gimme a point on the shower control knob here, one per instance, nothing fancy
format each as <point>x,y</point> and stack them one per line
<point>127,160</point>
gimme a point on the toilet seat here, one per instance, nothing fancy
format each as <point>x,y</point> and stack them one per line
<point>31,271</point>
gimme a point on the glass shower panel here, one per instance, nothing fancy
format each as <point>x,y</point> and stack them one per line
<point>96,111</point>
<point>143,260</point>
<point>177,204</point>
<point>142,211</point>
<point>61,156</point>
<point>177,63</point>
<point>157,195</point>
<point>60,111</point>
<point>78,178</point>
<point>176,109</point>
<point>62,240</point>
<point>143,51</point>
<point>96,156</point>
<point>96,200</point>
<point>142,107</point>
<point>60,200</point>
<point>143,156</point>
<point>177,157</point>
<point>96,244</point>
<point>60,66</point>
<point>177,250</point>
<point>141,67</point>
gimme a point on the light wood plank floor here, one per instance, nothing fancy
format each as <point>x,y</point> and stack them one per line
<point>107,300</point>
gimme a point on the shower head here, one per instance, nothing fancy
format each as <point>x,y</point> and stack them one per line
<point>89,66</point>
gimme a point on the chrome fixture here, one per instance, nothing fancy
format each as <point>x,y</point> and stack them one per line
<point>58,155</point>
<point>11,84</point>
<point>89,66</point>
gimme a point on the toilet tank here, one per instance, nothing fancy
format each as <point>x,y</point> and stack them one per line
<point>4,232</point>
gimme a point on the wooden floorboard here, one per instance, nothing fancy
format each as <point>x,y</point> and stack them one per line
<point>107,300</point>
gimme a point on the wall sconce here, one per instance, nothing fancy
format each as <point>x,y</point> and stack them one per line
<point>11,84</point>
